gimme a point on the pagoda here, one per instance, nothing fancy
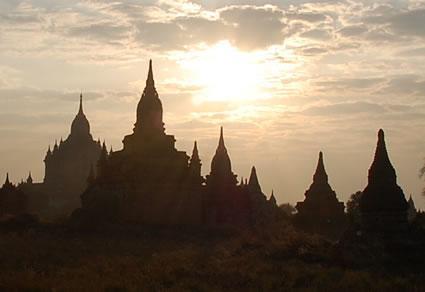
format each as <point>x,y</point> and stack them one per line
<point>67,166</point>
<point>383,205</point>
<point>320,212</point>
<point>149,181</point>
<point>225,203</point>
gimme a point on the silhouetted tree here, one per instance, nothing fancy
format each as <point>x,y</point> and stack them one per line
<point>288,209</point>
<point>353,207</point>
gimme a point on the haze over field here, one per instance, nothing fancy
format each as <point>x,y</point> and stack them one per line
<point>285,79</point>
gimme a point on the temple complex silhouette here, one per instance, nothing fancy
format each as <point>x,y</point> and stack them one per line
<point>149,181</point>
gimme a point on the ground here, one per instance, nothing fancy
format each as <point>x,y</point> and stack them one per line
<point>56,258</point>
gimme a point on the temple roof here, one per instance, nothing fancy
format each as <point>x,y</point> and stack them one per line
<point>253,181</point>
<point>29,179</point>
<point>320,175</point>
<point>149,109</point>
<point>320,190</point>
<point>80,125</point>
<point>272,199</point>
<point>195,154</point>
<point>7,183</point>
<point>381,169</point>
<point>382,191</point>
<point>221,164</point>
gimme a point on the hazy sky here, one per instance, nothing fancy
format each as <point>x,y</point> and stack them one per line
<point>286,79</point>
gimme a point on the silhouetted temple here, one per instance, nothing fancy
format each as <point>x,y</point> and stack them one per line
<point>225,202</point>
<point>67,166</point>
<point>150,182</point>
<point>320,211</point>
<point>13,201</point>
<point>383,204</point>
<point>37,198</point>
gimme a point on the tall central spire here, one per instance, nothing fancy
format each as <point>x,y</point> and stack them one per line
<point>381,169</point>
<point>80,125</point>
<point>253,180</point>
<point>150,81</point>
<point>80,110</point>
<point>320,175</point>
<point>221,164</point>
<point>221,146</point>
<point>149,109</point>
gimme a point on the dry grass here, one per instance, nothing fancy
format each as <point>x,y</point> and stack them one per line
<point>51,259</point>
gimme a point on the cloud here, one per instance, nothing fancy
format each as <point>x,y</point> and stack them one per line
<point>409,23</point>
<point>353,30</point>
<point>405,85</point>
<point>254,27</point>
<point>107,31</point>
<point>317,34</point>
<point>311,17</point>
<point>34,94</point>
<point>349,108</point>
<point>350,83</point>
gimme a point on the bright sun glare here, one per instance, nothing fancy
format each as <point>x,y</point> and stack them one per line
<point>224,73</point>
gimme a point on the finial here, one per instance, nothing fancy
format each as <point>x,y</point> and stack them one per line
<point>272,199</point>
<point>320,174</point>
<point>29,179</point>
<point>253,180</point>
<point>221,140</point>
<point>381,135</point>
<point>7,179</point>
<point>80,111</point>
<point>150,80</point>
<point>381,168</point>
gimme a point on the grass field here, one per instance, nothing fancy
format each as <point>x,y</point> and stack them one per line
<point>51,258</point>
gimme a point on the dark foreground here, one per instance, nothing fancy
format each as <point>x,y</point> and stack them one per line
<point>54,258</point>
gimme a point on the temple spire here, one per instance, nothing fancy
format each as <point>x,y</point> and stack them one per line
<point>221,140</point>
<point>149,109</point>
<point>7,182</point>
<point>80,111</point>
<point>381,169</point>
<point>253,181</point>
<point>320,175</point>
<point>150,81</point>
<point>29,179</point>
<point>273,199</point>
<point>195,153</point>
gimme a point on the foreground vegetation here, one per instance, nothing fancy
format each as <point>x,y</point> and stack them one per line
<point>55,258</point>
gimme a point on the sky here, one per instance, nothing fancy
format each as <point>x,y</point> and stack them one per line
<point>286,79</point>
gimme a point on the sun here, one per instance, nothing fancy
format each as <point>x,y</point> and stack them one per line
<point>224,74</point>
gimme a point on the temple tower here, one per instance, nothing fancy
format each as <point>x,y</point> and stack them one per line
<point>320,212</point>
<point>68,165</point>
<point>149,181</point>
<point>383,205</point>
